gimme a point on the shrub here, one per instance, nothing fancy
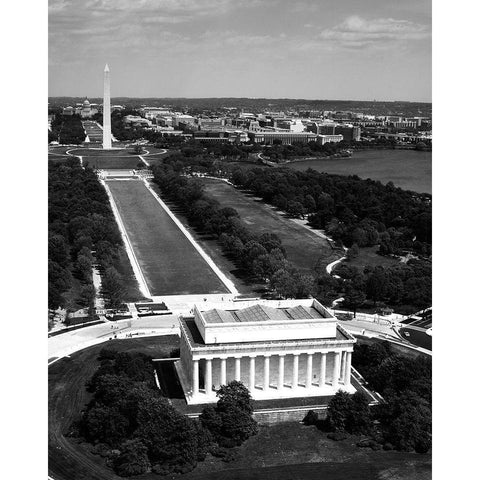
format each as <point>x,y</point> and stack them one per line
<point>311,418</point>
<point>337,436</point>
<point>231,456</point>
<point>133,459</point>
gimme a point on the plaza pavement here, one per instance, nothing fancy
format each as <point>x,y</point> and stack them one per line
<point>69,342</point>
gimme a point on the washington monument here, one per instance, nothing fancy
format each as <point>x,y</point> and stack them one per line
<point>107,134</point>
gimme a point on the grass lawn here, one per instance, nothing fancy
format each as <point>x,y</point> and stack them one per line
<point>98,151</point>
<point>243,283</point>
<point>420,339</point>
<point>112,163</point>
<point>168,260</point>
<point>304,248</point>
<point>369,256</point>
<point>288,451</point>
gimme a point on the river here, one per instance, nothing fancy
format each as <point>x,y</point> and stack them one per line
<point>408,169</point>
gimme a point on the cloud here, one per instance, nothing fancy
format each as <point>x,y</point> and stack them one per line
<point>164,8</point>
<point>357,32</point>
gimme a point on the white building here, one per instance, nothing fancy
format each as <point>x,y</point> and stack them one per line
<point>292,349</point>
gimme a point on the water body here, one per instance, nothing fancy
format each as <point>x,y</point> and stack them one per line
<point>408,169</point>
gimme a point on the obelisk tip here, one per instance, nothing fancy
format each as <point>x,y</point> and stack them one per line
<point>106,68</point>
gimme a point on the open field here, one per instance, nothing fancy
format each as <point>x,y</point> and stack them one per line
<point>368,256</point>
<point>111,163</point>
<point>169,262</point>
<point>280,452</point>
<point>304,248</point>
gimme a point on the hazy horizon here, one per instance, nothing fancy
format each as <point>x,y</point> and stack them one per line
<point>309,49</point>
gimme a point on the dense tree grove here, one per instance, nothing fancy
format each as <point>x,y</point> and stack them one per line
<point>356,213</point>
<point>80,221</point>
<point>406,385</point>
<point>403,284</point>
<point>67,129</point>
<point>138,430</point>
<point>262,256</point>
<point>351,210</point>
<point>403,421</point>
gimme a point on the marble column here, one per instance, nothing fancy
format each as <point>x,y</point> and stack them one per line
<point>266,372</point>
<point>208,376</point>
<point>308,380</point>
<point>252,374</point>
<point>336,369</point>
<point>223,371</point>
<point>295,371</point>
<point>323,369</point>
<point>281,370</point>
<point>348,369</point>
<point>195,377</point>
<point>342,365</point>
<point>238,361</point>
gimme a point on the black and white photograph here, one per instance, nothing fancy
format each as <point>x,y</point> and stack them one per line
<point>239,239</point>
<point>238,255</point>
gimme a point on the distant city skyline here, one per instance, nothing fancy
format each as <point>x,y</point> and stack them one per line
<point>308,49</point>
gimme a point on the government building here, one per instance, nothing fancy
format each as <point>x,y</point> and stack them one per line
<point>278,349</point>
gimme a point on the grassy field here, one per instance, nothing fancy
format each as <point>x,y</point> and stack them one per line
<point>304,248</point>
<point>369,256</point>
<point>416,337</point>
<point>168,260</point>
<point>243,283</point>
<point>287,451</point>
<point>112,163</point>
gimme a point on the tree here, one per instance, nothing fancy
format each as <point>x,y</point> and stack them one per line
<point>353,252</point>
<point>407,419</point>
<point>112,286</point>
<point>295,209</point>
<point>349,413</point>
<point>338,410</point>
<point>105,424</point>
<point>133,459</point>
<point>232,418</point>
<point>168,435</point>
<point>354,298</point>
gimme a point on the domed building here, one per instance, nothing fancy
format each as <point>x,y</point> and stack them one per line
<point>86,109</point>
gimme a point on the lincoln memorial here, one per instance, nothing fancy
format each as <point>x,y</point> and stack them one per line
<point>278,349</point>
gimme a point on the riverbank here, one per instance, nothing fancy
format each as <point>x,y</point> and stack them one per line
<point>407,169</point>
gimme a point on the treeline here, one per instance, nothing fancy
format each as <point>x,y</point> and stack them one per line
<point>350,209</point>
<point>278,152</point>
<point>82,231</point>
<point>67,129</point>
<point>404,284</point>
<point>403,421</point>
<point>138,431</point>
<point>262,256</point>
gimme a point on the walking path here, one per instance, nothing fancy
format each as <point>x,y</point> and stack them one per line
<point>330,266</point>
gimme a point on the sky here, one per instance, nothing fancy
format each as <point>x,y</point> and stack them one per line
<point>312,49</point>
